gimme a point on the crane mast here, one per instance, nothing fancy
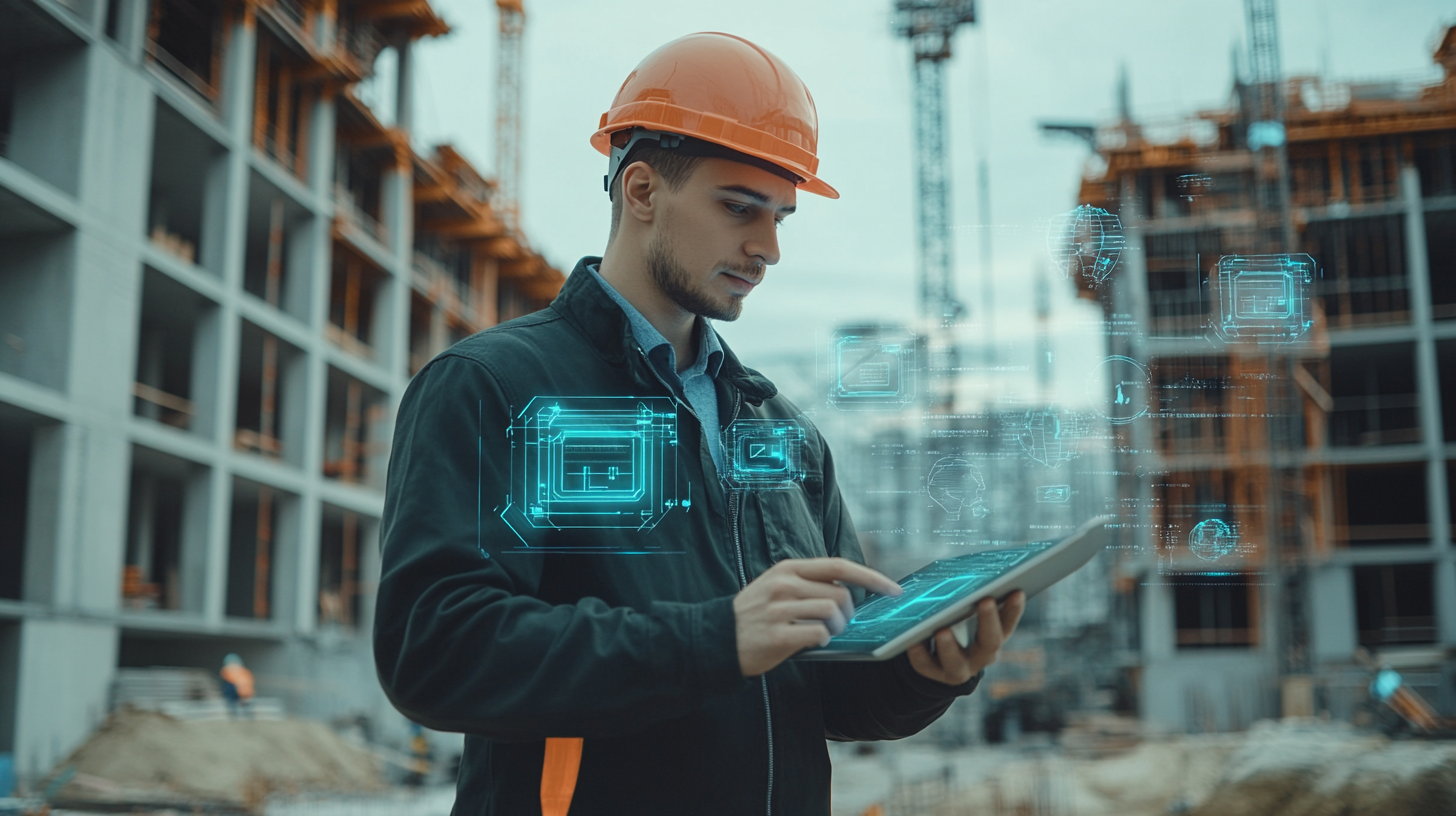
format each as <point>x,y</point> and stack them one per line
<point>930,25</point>
<point>508,113</point>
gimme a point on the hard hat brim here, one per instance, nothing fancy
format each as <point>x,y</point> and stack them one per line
<point>657,115</point>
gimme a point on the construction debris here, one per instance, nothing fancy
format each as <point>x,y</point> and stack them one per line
<point>148,759</point>
<point>1284,768</point>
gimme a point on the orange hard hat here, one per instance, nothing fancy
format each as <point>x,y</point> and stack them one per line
<point>726,91</point>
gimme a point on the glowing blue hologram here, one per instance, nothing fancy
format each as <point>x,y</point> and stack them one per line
<point>1212,539</point>
<point>1265,134</point>
<point>592,462</point>
<point>1192,185</point>
<point>1050,436</point>
<point>1263,298</point>
<point>763,454</point>
<point>1118,387</point>
<point>933,588</point>
<point>1086,241</point>
<point>872,368</point>
<point>1053,494</point>
<point>1387,681</point>
<point>955,484</point>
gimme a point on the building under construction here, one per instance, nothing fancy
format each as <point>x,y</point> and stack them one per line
<point>1331,460</point>
<point>219,268</point>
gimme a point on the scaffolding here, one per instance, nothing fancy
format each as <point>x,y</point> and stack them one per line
<point>1359,176</point>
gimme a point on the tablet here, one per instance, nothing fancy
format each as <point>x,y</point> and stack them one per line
<point>945,592</point>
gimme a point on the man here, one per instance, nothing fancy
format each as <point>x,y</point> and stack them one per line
<point>237,686</point>
<point>644,670</point>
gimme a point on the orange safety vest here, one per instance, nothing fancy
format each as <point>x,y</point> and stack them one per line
<point>558,774</point>
<point>241,678</point>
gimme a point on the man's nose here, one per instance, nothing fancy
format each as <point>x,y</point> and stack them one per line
<point>764,245</point>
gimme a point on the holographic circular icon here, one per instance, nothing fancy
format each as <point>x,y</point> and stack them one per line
<point>1212,539</point>
<point>1118,389</point>
<point>955,484</point>
<point>1086,241</point>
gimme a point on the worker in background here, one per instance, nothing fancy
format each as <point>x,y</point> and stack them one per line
<point>237,685</point>
<point>603,682</point>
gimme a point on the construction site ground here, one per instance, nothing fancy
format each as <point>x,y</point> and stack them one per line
<point>147,762</point>
<point>1285,768</point>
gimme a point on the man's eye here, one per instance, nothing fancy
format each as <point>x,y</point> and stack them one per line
<point>737,209</point>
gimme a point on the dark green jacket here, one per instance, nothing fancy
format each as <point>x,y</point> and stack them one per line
<point>635,653</point>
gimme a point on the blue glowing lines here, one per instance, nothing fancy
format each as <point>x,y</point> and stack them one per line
<point>955,484</point>
<point>1263,298</point>
<point>930,590</point>
<point>591,462</point>
<point>1049,436</point>
<point>1053,494</point>
<point>1192,185</point>
<point>872,368</point>
<point>763,454</point>
<point>1086,241</point>
<point>1118,387</point>
<point>1212,539</point>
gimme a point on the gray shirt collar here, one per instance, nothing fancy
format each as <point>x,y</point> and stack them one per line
<point>657,347</point>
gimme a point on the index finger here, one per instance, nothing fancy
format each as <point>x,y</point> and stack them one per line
<point>843,569</point>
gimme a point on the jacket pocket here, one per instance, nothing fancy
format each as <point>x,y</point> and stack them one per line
<point>791,524</point>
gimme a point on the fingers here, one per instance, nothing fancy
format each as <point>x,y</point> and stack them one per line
<point>793,587</point>
<point>1011,613</point>
<point>827,570</point>
<point>924,662</point>
<point>988,626</point>
<point>822,610</point>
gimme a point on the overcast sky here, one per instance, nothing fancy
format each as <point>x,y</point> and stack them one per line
<point>854,259</point>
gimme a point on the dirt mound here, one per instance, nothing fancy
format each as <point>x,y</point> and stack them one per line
<point>1290,770</point>
<point>145,756</point>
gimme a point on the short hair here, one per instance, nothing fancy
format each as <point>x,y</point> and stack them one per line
<point>674,167</point>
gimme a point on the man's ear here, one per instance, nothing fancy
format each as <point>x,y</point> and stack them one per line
<point>639,183</point>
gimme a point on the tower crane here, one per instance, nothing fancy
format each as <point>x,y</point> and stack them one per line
<point>508,113</point>
<point>930,25</point>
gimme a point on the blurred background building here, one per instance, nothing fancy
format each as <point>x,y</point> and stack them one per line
<point>219,267</point>
<point>1331,459</point>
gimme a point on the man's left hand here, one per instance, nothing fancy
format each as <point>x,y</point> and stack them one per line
<point>953,665</point>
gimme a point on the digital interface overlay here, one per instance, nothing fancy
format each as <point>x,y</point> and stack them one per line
<point>763,454</point>
<point>929,590</point>
<point>591,463</point>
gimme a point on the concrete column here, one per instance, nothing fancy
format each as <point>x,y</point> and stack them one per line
<point>404,94</point>
<point>1428,384</point>
<point>237,109</point>
<point>1332,635</point>
<point>63,688</point>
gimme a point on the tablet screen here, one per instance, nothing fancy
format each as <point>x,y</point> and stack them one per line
<point>928,590</point>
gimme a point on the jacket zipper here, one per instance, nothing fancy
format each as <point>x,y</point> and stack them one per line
<point>733,507</point>
<point>734,504</point>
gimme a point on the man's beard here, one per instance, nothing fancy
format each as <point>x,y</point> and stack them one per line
<point>677,284</point>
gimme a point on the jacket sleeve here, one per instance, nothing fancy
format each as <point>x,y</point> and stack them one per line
<point>461,644</point>
<point>873,700</point>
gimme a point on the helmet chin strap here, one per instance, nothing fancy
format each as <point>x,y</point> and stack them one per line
<point>618,158</point>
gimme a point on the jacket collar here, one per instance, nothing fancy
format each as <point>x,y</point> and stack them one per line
<point>584,304</point>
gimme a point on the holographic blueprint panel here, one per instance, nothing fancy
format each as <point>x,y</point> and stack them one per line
<point>763,454</point>
<point>872,368</point>
<point>1263,298</point>
<point>592,462</point>
<point>929,590</point>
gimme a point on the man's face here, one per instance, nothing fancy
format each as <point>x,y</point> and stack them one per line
<point>716,236</point>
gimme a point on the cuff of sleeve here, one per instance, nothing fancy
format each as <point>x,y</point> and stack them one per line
<point>932,689</point>
<point>712,634</point>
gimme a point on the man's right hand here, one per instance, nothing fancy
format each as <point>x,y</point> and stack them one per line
<point>795,604</point>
